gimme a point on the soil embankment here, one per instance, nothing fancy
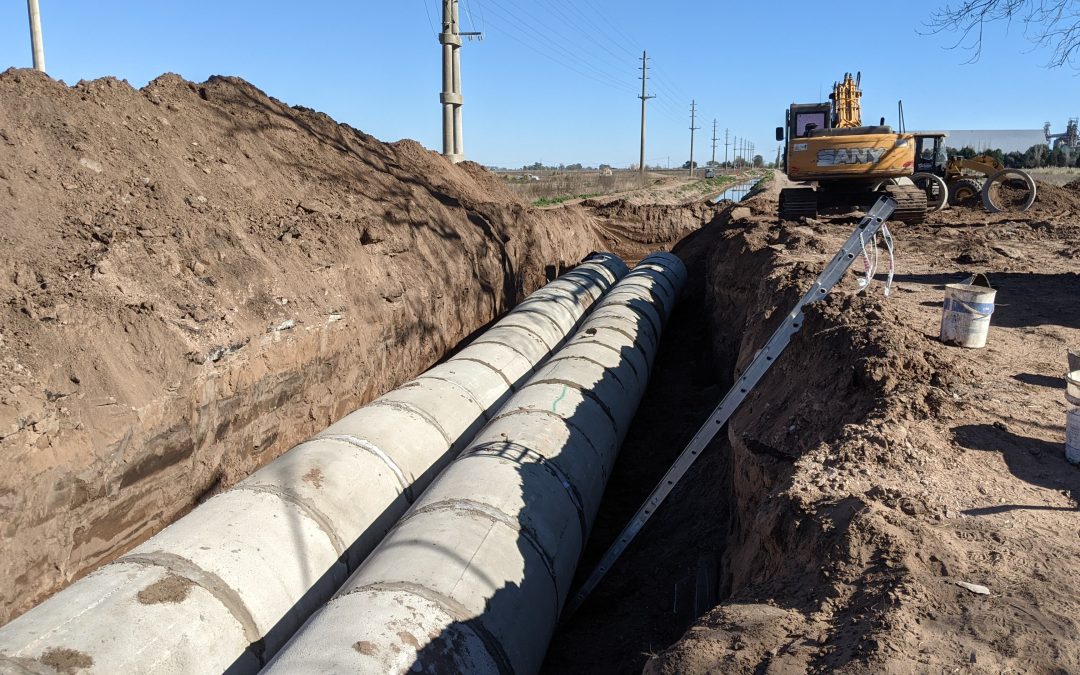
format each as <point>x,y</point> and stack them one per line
<point>871,471</point>
<point>195,277</point>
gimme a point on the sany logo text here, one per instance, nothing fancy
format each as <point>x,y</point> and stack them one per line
<point>849,156</point>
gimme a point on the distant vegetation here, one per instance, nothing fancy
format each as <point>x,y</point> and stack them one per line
<point>551,201</point>
<point>1036,157</point>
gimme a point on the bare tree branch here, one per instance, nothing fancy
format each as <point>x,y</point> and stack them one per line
<point>1052,24</point>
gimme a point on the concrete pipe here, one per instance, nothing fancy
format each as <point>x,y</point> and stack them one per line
<point>473,578</point>
<point>225,586</point>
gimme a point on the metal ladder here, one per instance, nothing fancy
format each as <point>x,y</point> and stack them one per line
<point>864,233</point>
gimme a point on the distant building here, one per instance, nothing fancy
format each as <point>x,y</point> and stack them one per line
<point>1006,140</point>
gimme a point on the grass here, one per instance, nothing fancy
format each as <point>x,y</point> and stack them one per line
<point>551,201</point>
<point>708,184</point>
<point>566,185</point>
<point>1055,175</point>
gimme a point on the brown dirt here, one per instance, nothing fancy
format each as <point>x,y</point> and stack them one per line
<point>195,277</point>
<point>67,660</point>
<point>872,470</point>
<point>170,589</point>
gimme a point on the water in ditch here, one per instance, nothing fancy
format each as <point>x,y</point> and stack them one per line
<point>736,192</point>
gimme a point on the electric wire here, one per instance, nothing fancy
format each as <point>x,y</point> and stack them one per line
<point>521,34</point>
<point>555,35</point>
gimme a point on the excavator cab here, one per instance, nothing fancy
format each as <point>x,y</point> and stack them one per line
<point>930,156</point>
<point>802,118</point>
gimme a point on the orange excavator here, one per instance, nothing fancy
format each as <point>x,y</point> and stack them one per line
<point>848,165</point>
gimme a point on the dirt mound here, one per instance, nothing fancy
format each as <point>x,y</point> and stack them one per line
<point>1057,200</point>
<point>875,468</point>
<point>196,277</point>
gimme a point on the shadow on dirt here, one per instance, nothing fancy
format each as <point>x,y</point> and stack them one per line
<point>1034,460</point>
<point>1037,380</point>
<point>1023,299</point>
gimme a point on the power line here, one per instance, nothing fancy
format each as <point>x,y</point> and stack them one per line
<point>614,40</point>
<point>554,37</point>
<point>570,22</point>
<point>614,27</point>
<point>520,34</point>
<point>431,24</point>
<point>525,31</point>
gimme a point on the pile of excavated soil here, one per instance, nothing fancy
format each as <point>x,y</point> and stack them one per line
<point>195,277</point>
<point>873,471</point>
<point>1054,202</point>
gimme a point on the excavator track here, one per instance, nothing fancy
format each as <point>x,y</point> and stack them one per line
<point>798,202</point>
<point>910,202</point>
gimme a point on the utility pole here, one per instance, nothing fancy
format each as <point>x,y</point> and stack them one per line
<point>450,39</point>
<point>644,97</point>
<point>35,35</point>
<point>693,116</point>
<point>714,139</point>
<point>726,144</point>
<point>735,152</point>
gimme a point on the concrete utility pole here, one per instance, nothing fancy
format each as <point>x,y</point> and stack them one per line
<point>450,39</point>
<point>735,152</point>
<point>693,116</point>
<point>726,144</point>
<point>35,35</point>
<point>644,97</point>
<point>714,139</point>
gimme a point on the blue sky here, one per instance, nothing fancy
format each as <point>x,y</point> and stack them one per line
<point>557,80</point>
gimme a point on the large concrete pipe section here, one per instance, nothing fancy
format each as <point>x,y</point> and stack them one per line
<point>224,587</point>
<point>473,577</point>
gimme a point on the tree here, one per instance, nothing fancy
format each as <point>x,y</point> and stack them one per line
<point>1036,156</point>
<point>967,152</point>
<point>1054,24</point>
<point>686,164</point>
<point>759,161</point>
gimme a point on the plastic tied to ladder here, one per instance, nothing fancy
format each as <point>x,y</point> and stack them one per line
<point>871,257</point>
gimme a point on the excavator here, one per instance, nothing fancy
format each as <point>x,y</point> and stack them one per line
<point>852,165</point>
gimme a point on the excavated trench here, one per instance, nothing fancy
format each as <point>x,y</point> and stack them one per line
<point>720,531</point>
<point>662,582</point>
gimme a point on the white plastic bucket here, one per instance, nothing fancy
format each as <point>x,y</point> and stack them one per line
<point>1072,387</point>
<point>1072,435</point>
<point>965,318</point>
